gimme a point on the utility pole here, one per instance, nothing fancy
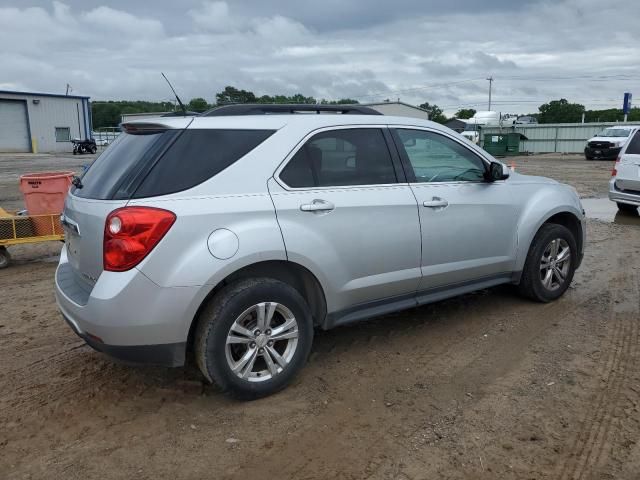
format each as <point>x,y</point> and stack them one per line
<point>490,85</point>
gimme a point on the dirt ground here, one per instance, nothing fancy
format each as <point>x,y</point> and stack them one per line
<point>484,386</point>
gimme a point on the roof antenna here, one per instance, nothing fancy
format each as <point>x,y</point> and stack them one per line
<point>184,110</point>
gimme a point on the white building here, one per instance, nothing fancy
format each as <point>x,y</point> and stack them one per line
<point>42,122</point>
<point>398,109</point>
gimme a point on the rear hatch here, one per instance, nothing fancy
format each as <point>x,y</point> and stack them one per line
<point>628,176</point>
<point>108,184</point>
<point>147,160</point>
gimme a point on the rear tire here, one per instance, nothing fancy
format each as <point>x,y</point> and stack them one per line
<point>230,331</point>
<point>625,207</point>
<point>547,272</point>
<point>5,258</point>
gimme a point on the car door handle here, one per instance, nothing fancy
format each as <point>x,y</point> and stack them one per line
<point>317,206</point>
<point>435,202</point>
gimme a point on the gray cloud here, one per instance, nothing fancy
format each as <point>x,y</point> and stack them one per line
<point>416,50</point>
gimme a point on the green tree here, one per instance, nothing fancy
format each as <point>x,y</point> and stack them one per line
<point>198,105</point>
<point>233,95</point>
<point>434,111</point>
<point>342,101</point>
<point>465,113</point>
<point>560,111</point>
<point>108,114</point>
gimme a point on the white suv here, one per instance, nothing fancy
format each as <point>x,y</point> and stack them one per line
<point>624,187</point>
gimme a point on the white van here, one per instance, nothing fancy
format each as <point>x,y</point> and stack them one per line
<point>480,120</point>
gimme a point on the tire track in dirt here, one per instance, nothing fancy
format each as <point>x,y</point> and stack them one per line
<point>594,439</point>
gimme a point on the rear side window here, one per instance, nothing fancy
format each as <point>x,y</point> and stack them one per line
<point>196,156</point>
<point>357,156</point>
<point>162,162</point>
<point>634,144</point>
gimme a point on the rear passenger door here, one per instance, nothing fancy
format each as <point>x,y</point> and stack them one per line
<point>347,213</point>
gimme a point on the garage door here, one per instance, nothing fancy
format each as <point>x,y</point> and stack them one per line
<point>14,132</point>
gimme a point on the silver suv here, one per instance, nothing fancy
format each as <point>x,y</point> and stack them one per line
<point>235,234</point>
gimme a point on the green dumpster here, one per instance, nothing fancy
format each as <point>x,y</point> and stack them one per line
<point>513,143</point>
<point>503,144</point>
<point>495,144</point>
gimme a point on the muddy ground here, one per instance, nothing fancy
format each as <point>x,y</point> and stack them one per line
<point>483,386</point>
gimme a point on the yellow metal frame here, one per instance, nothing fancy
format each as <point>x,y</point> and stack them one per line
<point>54,218</point>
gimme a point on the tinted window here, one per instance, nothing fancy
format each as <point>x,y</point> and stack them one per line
<point>163,162</point>
<point>634,144</point>
<point>436,158</point>
<point>118,163</point>
<point>196,156</point>
<point>356,156</point>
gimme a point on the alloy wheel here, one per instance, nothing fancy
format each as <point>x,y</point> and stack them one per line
<point>555,264</point>
<point>262,341</point>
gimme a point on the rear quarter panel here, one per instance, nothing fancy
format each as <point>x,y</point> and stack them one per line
<point>183,257</point>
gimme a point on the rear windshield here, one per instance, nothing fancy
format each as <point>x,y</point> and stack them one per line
<point>169,161</point>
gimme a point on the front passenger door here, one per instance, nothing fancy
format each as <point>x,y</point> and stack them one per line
<point>468,225</point>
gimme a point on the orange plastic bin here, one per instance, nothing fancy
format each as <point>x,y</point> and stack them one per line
<point>44,193</point>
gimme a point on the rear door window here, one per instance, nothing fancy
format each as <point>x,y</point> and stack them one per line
<point>355,156</point>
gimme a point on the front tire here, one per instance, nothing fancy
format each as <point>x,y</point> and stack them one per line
<point>253,337</point>
<point>550,264</point>
<point>625,207</point>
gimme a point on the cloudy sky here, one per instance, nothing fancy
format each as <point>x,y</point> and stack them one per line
<point>587,51</point>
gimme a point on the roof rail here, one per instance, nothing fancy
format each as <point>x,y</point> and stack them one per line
<point>275,108</point>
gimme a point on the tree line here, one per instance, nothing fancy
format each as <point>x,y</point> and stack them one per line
<point>108,114</point>
<point>556,111</point>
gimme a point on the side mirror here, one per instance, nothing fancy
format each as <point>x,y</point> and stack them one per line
<point>496,171</point>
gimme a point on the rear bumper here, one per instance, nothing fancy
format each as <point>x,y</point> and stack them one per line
<point>602,153</point>
<point>127,316</point>
<point>167,355</point>
<point>622,196</point>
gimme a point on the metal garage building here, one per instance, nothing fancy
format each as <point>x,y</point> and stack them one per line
<point>42,122</point>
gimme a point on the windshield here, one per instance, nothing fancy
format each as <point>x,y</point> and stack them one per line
<point>614,132</point>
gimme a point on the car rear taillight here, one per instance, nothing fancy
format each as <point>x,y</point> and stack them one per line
<point>614,172</point>
<point>130,233</point>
